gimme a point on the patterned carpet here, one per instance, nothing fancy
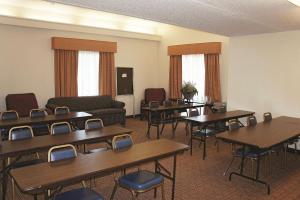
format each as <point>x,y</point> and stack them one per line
<point>198,179</point>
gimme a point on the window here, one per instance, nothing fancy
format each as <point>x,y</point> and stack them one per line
<point>88,73</point>
<point>193,70</point>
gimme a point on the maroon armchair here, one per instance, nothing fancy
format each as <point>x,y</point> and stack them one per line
<point>22,103</point>
<point>152,94</point>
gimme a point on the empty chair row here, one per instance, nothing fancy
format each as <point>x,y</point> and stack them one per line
<point>13,115</point>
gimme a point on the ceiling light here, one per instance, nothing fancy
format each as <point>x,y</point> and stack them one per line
<point>296,2</point>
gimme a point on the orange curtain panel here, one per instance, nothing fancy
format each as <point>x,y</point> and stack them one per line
<point>212,77</point>
<point>107,75</point>
<point>66,69</point>
<point>175,76</point>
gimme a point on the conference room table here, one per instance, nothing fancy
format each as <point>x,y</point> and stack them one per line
<point>263,136</point>
<point>164,108</point>
<point>48,119</point>
<point>37,179</point>
<point>20,148</point>
<point>202,121</point>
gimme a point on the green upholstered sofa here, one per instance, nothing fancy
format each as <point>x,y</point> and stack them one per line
<point>104,107</point>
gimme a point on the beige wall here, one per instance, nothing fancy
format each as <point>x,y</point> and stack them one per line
<point>26,62</point>
<point>264,73</point>
<point>173,35</point>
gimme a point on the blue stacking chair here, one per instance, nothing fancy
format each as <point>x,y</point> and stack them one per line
<point>8,115</point>
<point>39,129</point>
<point>64,152</point>
<point>60,128</point>
<point>63,110</point>
<point>139,181</point>
<point>250,153</point>
<point>251,121</point>
<point>94,124</point>
<point>21,133</point>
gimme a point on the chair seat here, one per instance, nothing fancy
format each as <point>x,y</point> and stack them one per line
<point>98,150</point>
<point>27,163</point>
<point>204,132</point>
<point>140,180</point>
<point>251,153</point>
<point>79,194</point>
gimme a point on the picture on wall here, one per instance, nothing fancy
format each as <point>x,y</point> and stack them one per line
<point>124,81</point>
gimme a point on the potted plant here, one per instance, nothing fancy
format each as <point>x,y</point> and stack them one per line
<point>188,90</point>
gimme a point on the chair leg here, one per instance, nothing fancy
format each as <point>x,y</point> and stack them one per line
<point>163,192</point>
<point>134,195</point>
<point>162,129</point>
<point>186,128</point>
<point>252,168</point>
<point>173,130</point>
<point>114,191</point>
<point>13,188</point>
<point>224,174</point>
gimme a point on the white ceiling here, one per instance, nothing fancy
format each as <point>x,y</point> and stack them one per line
<point>225,17</point>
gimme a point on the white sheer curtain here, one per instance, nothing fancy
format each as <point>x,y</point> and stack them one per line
<point>88,73</point>
<point>193,70</point>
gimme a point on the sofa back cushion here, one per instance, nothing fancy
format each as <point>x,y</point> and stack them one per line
<point>85,103</point>
<point>155,94</point>
<point>22,103</point>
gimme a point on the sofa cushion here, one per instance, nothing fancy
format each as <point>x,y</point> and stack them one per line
<point>106,111</point>
<point>86,103</point>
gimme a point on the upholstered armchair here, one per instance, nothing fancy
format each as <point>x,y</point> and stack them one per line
<point>22,103</point>
<point>152,94</point>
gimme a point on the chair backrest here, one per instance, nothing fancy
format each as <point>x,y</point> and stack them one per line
<point>155,94</point>
<point>22,103</point>
<point>10,115</point>
<point>251,121</point>
<point>154,104</point>
<point>92,124</point>
<point>122,142</point>
<point>194,112</point>
<point>37,113</point>
<point>180,101</point>
<point>267,117</point>
<point>61,152</point>
<point>20,133</point>
<point>233,125</point>
<point>60,128</point>
<point>61,110</point>
<point>219,107</point>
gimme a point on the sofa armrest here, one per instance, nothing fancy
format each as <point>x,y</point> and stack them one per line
<point>118,104</point>
<point>143,103</point>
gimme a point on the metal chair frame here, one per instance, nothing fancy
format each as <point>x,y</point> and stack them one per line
<point>134,193</point>
<point>59,123</point>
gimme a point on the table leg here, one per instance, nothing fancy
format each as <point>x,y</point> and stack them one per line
<point>204,148</point>
<point>191,138</point>
<point>157,132</point>
<point>4,179</point>
<point>155,190</point>
<point>174,177</point>
<point>149,124</point>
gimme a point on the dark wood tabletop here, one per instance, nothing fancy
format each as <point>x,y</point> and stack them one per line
<point>265,134</point>
<point>215,117</point>
<point>43,176</point>
<point>174,107</point>
<point>14,148</point>
<point>47,119</point>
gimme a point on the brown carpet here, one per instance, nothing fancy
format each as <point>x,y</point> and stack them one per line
<point>198,179</point>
